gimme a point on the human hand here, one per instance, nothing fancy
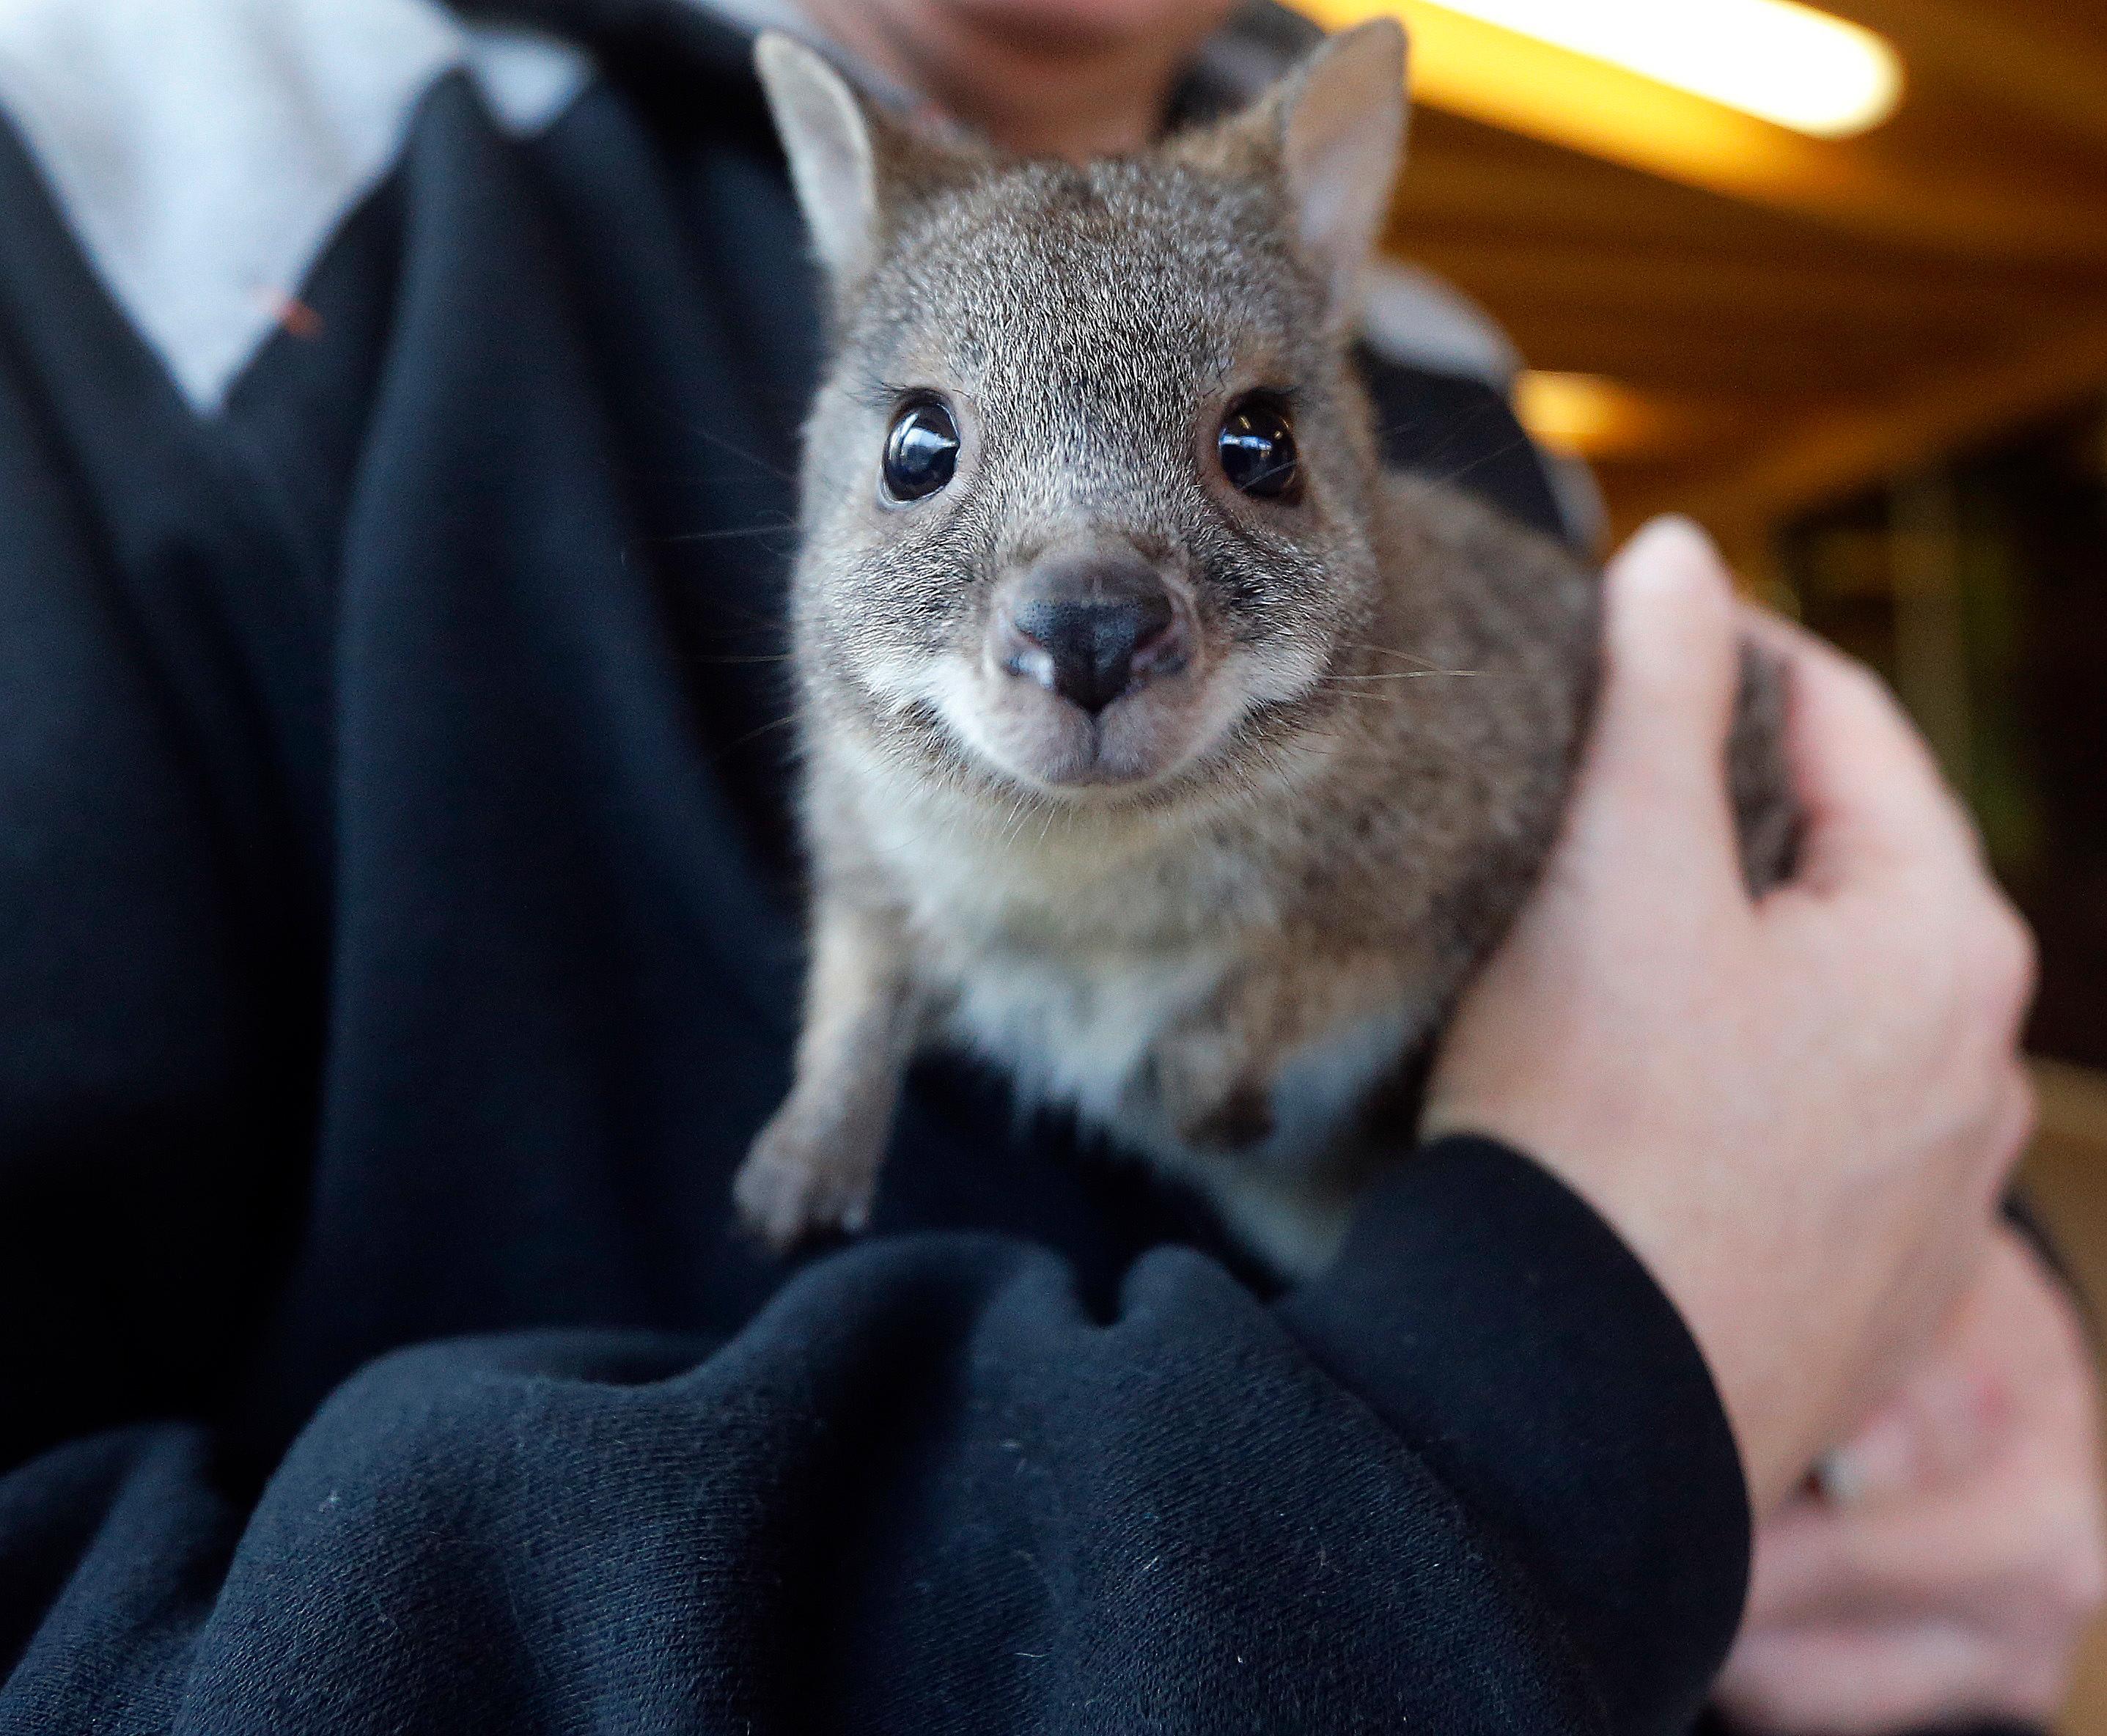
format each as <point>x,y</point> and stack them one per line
<point>1955,1552</point>
<point>1798,1113</point>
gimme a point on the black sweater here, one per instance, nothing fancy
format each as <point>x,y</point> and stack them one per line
<point>399,949</point>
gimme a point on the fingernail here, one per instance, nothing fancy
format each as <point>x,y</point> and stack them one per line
<point>1670,572</point>
<point>1673,545</point>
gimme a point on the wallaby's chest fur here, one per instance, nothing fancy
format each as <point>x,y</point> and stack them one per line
<point>1301,934</point>
<point>1158,747</point>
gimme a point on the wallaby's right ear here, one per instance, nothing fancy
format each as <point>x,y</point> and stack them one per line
<point>1341,119</point>
<point>1333,131</point>
<point>827,133</point>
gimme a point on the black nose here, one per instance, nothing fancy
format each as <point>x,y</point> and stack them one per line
<point>1090,630</point>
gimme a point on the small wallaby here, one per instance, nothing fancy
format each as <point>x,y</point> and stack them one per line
<point>1157,744</point>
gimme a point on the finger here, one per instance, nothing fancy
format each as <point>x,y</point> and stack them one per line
<point>1943,1424</point>
<point>2035,1325</point>
<point>1959,1406</point>
<point>1655,765</point>
<point>1870,792</point>
<point>2013,1129</point>
<point>1872,1681</point>
<point>1976,1549</point>
<point>1886,1460</point>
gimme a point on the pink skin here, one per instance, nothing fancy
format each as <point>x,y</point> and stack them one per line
<point>1958,1549</point>
<point>1051,78</point>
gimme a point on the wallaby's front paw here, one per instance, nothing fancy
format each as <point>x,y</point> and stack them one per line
<point>794,1186</point>
<point>1209,1096</point>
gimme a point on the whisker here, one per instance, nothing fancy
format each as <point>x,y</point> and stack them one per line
<point>1385,651</point>
<point>755,735</point>
<point>1374,699</point>
<point>1406,675</point>
<point>1457,473</point>
<point>737,451</point>
<point>726,535</point>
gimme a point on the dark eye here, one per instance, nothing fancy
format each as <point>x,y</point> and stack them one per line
<point>1257,448</point>
<point>922,451</point>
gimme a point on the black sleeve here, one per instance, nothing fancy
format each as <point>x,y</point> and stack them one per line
<point>1500,1326</point>
<point>1473,1480</point>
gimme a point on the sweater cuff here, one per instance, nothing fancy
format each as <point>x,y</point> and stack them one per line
<point>1500,1326</point>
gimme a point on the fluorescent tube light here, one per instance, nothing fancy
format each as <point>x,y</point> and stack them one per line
<point>1776,59</point>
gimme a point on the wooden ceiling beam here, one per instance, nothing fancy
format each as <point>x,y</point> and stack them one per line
<point>1723,353</point>
<point>1853,445</point>
<point>2060,81</point>
<point>1471,179</point>
<point>1456,166</point>
<point>1695,284</point>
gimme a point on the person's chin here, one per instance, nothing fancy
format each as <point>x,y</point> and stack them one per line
<point>1084,25</point>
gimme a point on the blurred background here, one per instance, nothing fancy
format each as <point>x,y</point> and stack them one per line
<point>1834,282</point>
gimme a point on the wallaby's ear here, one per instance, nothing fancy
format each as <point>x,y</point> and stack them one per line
<point>1341,122</point>
<point>827,133</point>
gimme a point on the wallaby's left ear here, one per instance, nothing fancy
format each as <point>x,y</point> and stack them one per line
<point>852,161</point>
<point>1341,116</point>
<point>828,133</point>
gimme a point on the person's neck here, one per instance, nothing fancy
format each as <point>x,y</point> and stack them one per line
<point>1075,94</point>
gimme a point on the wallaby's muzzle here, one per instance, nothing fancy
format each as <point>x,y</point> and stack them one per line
<point>1092,669</point>
<point>1090,628</point>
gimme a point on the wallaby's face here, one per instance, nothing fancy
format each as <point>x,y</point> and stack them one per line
<point>1088,487</point>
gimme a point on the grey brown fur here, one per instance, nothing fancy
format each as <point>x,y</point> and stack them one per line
<point>1220,919</point>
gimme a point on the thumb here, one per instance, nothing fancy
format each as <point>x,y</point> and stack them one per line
<point>1654,769</point>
